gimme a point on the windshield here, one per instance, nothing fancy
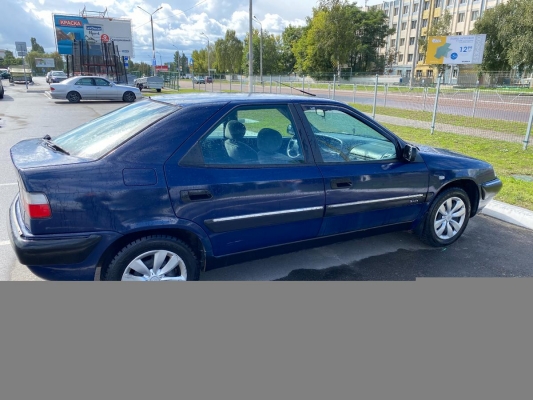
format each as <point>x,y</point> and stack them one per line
<point>58,73</point>
<point>96,138</point>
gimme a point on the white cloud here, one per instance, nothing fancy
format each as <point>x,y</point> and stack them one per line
<point>179,22</point>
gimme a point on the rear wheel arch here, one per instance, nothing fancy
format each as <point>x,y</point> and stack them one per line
<point>188,237</point>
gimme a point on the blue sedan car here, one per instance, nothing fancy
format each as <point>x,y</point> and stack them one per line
<point>163,188</point>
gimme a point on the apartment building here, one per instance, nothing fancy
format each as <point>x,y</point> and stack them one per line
<point>412,19</point>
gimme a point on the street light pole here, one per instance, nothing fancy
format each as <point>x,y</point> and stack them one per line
<point>260,50</point>
<point>208,65</point>
<point>153,43</point>
<point>250,52</point>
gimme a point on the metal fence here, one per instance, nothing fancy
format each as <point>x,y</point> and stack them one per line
<point>502,113</point>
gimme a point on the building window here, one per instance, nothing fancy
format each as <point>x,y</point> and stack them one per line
<point>413,24</point>
<point>436,20</point>
<point>387,13</point>
<point>426,5</point>
<point>411,41</point>
<point>399,72</point>
<point>462,1</point>
<point>458,33</point>
<point>396,11</point>
<point>393,43</point>
<point>409,58</point>
<point>461,17</point>
<point>430,73</point>
<point>424,23</point>
<point>402,41</point>
<point>475,15</point>
<point>400,57</point>
<point>449,3</point>
<point>405,9</point>
<point>437,3</point>
<point>418,73</point>
<point>421,57</point>
<point>415,7</point>
<point>395,26</point>
<point>455,73</point>
<point>404,26</point>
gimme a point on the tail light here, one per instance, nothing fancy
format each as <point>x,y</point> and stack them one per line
<point>36,205</point>
<point>52,88</point>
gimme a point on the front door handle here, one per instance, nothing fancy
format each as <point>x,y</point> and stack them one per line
<point>195,195</point>
<point>341,183</point>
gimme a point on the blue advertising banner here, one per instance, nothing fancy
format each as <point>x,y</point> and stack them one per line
<point>68,29</point>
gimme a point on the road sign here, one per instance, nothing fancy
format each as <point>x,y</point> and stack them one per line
<point>104,38</point>
<point>21,49</point>
<point>154,62</point>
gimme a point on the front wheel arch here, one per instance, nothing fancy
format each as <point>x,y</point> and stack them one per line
<point>471,189</point>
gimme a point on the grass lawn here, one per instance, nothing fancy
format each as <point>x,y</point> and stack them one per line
<point>507,159</point>
<point>510,127</point>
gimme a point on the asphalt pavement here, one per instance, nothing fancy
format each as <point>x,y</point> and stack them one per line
<point>496,243</point>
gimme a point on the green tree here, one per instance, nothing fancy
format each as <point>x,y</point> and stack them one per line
<point>509,30</point>
<point>228,52</point>
<point>287,59</point>
<point>10,59</point>
<point>36,47</point>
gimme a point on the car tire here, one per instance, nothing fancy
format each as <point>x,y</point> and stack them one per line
<point>158,90</point>
<point>135,262</point>
<point>73,97</point>
<point>128,97</point>
<point>446,219</point>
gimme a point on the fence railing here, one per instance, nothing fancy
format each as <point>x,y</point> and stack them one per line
<point>499,113</point>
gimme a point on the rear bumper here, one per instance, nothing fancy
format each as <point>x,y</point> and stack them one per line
<point>57,257</point>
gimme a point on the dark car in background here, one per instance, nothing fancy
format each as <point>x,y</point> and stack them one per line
<point>163,188</point>
<point>208,79</point>
<point>56,76</point>
<point>4,74</point>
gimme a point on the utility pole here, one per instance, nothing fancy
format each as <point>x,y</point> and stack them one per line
<point>208,64</point>
<point>260,51</point>
<point>153,44</point>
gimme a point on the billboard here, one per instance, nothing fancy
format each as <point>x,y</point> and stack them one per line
<point>94,30</point>
<point>467,49</point>
<point>45,62</point>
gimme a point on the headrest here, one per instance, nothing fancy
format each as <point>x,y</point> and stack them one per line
<point>269,140</point>
<point>236,130</point>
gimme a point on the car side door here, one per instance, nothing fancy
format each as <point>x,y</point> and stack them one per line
<point>86,88</point>
<point>104,89</point>
<point>242,199</point>
<point>368,184</point>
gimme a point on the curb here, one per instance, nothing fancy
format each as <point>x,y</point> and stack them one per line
<point>511,214</point>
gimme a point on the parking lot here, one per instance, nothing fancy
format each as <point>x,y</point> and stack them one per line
<point>489,247</point>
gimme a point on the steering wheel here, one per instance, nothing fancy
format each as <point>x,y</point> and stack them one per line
<point>293,148</point>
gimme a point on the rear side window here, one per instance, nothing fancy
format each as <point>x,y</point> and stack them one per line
<point>96,138</point>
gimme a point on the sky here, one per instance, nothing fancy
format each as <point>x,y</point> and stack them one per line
<point>177,26</point>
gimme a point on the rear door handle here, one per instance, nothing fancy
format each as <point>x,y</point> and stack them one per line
<point>195,195</point>
<point>341,183</point>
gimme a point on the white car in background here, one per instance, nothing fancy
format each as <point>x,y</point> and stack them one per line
<point>92,88</point>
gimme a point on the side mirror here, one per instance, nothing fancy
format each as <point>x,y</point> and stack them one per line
<point>290,130</point>
<point>409,153</point>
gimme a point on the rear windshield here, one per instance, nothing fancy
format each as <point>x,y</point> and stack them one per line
<point>98,137</point>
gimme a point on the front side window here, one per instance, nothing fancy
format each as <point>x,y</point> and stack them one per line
<point>343,138</point>
<point>101,82</point>
<point>250,136</point>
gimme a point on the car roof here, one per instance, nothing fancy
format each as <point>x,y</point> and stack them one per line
<point>242,98</point>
